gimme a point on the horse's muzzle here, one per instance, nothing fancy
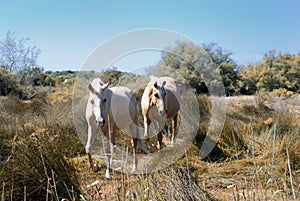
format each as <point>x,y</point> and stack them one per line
<point>100,122</point>
<point>163,112</point>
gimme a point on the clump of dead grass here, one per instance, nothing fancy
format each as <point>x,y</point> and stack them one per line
<point>253,148</point>
<point>34,151</point>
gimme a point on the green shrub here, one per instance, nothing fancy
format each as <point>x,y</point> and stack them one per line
<point>9,84</point>
<point>282,92</point>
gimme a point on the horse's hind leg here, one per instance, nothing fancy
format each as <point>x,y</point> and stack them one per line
<point>174,128</point>
<point>134,132</point>
<point>134,144</point>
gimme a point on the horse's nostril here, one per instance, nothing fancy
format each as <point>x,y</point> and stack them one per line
<point>162,112</point>
<point>100,121</point>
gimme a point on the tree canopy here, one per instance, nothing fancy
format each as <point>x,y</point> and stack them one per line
<point>201,65</point>
<point>204,67</point>
<point>275,71</point>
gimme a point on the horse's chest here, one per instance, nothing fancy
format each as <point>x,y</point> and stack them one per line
<point>153,113</point>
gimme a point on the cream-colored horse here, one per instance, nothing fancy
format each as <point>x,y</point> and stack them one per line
<point>111,109</point>
<point>160,101</point>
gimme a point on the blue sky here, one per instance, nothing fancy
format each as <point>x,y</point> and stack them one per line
<point>67,31</point>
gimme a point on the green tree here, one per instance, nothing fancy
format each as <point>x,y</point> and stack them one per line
<point>249,77</point>
<point>275,71</point>
<point>202,67</point>
<point>227,67</point>
<point>287,68</point>
<point>30,76</point>
<point>46,80</point>
<point>111,76</point>
<point>185,59</point>
<point>9,84</point>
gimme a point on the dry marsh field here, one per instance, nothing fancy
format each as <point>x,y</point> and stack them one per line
<point>256,157</point>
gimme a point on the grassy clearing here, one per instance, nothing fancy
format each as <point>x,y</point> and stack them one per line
<point>42,156</point>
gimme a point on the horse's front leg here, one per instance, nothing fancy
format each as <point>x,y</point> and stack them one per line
<point>161,124</point>
<point>91,135</point>
<point>174,128</point>
<point>110,149</point>
<point>147,122</point>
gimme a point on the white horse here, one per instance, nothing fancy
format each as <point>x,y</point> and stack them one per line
<point>111,109</point>
<point>160,101</point>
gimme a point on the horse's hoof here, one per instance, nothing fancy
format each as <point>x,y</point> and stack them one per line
<point>107,175</point>
<point>152,148</point>
<point>134,171</point>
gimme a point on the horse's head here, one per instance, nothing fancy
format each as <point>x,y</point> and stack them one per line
<point>159,98</point>
<point>99,102</point>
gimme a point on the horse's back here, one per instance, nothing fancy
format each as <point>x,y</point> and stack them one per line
<point>122,96</point>
<point>123,105</point>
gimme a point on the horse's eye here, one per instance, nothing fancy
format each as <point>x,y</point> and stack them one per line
<point>156,96</point>
<point>104,100</point>
<point>92,101</point>
<point>165,93</point>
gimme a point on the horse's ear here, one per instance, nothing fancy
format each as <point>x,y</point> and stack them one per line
<point>164,83</point>
<point>103,87</point>
<point>91,88</point>
<point>155,85</point>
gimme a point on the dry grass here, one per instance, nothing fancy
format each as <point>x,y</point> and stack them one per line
<point>254,161</point>
<point>34,153</point>
<point>168,184</point>
<point>42,157</point>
